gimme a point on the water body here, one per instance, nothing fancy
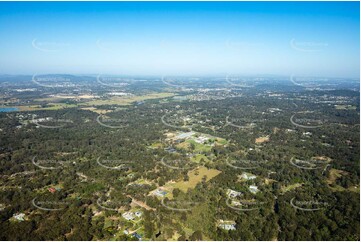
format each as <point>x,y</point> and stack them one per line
<point>10,109</point>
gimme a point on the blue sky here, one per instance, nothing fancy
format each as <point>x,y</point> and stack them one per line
<point>181,38</point>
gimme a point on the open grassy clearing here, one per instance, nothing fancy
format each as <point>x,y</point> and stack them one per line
<point>288,188</point>
<point>268,181</point>
<point>90,105</point>
<point>143,181</point>
<point>197,158</point>
<point>220,141</point>
<point>51,106</point>
<point>195,177</point>
<point>200,147</point>
<point>98,111</point>
<point>62,97</point>
<point>345,107</point>
<point>126,100</point>
<point>334,174</point>
<point>261,140</point>
<point>183,146</point>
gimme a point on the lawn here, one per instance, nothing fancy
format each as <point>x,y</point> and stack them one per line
<point>197,158</point>
<point>200,147</point>
<point>60,97</point>
<point>333,176</point>
<point>194,179</point>
<point>220,141</point>
<point>290,187</point>
<point>142,181</point>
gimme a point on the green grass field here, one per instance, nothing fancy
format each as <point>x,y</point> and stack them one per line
<point>345,107</point>
<point>290,187</point>
<point>90,105</point>
<point>126,100</point>
<point>194,179</point>
<point>52,106</point>
<point>200,147</point>
<point>197,158</point>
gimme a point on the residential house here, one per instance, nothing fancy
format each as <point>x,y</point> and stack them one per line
<point>253,189</point>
